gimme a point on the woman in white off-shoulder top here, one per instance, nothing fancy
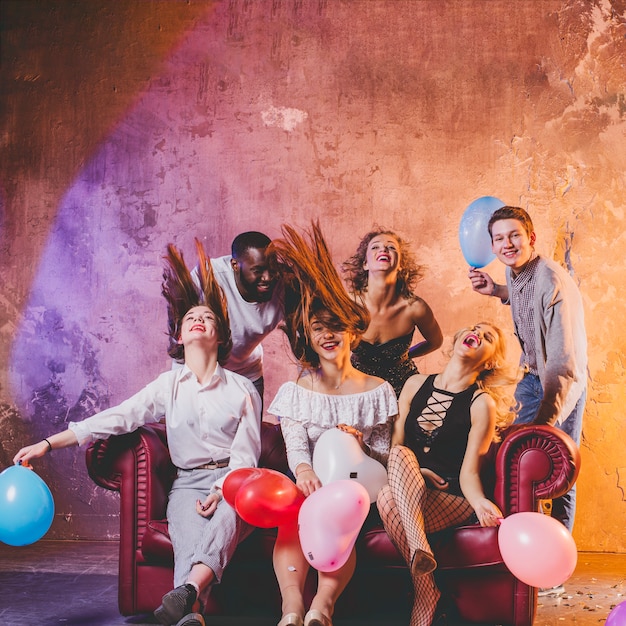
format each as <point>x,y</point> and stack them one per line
<point>323,324</point>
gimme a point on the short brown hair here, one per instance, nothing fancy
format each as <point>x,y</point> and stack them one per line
<point>511,213</point>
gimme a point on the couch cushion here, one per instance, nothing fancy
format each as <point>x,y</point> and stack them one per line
<point>466,546</point>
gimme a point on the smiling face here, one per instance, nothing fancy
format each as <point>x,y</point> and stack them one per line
<point>199,325</point>
<point>383,253</point>
<point>512,243</point>
<point>478,343</point>
<point>327,338</point>
<point>253,277</point>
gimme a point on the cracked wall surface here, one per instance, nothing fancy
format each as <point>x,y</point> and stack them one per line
<point>129,125</point>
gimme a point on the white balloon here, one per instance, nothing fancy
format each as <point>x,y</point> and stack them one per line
<point>338,456</point>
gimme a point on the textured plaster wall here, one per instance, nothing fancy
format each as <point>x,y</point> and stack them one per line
<point>128,125</point>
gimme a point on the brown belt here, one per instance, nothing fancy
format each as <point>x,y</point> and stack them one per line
<point>211,465</point>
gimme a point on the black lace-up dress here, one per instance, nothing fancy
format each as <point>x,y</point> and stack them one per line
<point>437,428</point>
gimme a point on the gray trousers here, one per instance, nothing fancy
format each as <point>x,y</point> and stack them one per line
<point>197,539</point>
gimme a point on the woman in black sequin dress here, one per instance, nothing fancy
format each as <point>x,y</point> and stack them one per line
<point>382,275</point>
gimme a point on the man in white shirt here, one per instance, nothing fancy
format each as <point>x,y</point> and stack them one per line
<point>255,302</point>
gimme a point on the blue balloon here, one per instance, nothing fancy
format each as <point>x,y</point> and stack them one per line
<point>473,234</point>
<point>26,506</point>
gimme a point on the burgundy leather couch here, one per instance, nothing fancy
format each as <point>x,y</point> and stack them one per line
<point>530,465</point>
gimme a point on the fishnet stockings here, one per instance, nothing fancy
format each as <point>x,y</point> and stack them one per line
<point>409,510</point>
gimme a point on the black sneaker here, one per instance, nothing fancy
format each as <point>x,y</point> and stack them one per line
<point>176,604</point>
<point>193,619</point>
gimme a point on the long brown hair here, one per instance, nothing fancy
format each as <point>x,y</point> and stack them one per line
<point>313,288</point>
<point>182,293</point>
<point>409,274</point>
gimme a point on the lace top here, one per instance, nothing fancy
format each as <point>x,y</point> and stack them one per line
<point>389,360</point>
<point>304,415</point>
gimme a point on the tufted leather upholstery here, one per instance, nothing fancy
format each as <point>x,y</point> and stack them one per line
<point>531,464</point>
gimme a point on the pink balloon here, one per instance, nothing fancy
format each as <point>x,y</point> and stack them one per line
<point>537,549</point>
<point>329,523</point>
<point>617,617</point>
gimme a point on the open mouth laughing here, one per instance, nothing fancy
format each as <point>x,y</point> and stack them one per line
<point>472,341</point>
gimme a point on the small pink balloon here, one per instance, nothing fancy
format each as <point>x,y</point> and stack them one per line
<point>617,617</point>
<point>329,522</point>
<point>537,549</point>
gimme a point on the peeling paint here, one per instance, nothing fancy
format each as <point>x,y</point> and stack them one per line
<point>284,118</point>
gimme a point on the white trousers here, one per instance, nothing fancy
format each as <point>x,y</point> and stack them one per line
<point>197,539</point>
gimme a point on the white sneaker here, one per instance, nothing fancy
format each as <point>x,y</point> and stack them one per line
<point>551,591</point>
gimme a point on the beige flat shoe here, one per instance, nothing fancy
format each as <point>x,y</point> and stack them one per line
<point>290,619</point>
<point>316,618</point>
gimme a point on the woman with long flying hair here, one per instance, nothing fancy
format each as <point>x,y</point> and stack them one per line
<point>322,324</point>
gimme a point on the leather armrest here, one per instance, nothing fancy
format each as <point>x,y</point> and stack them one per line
<point>532,464</point>
<point>138,465</point>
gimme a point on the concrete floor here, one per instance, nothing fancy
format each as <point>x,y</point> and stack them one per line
<point>75,584</point>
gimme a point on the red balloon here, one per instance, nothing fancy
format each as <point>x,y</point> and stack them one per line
<point>268,500</point>
<point>235,480</point>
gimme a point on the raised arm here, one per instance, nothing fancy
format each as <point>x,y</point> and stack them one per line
<point>425,322</point>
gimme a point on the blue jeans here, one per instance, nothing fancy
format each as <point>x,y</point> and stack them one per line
<point>529,394</point>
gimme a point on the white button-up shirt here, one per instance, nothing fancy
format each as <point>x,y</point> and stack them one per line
<point>218,420</point>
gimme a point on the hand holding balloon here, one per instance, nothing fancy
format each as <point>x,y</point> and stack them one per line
<point>482,282</point>
<point>329,523</point>
<point>307,480</point>
<point>357,434</point>
<point>34,451</point>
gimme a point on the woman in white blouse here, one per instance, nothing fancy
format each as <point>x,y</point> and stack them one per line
<point>213,420</point>
<point>322,323</point>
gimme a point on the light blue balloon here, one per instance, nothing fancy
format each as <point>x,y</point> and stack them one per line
<point>26,506</point>
<point>473,234</point>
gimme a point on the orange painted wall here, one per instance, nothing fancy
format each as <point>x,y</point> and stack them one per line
<point>129,125</point>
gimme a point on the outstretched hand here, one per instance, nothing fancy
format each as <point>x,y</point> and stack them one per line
<point>34,451</point>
